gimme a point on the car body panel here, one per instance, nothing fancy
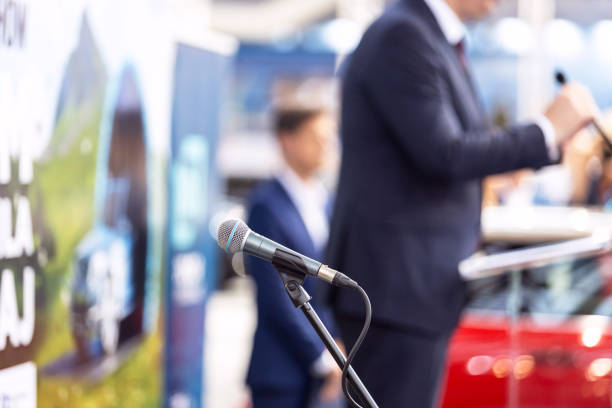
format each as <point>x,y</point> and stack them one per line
<point>544,340</point>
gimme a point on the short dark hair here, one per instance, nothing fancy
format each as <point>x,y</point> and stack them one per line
<point>289,120</point>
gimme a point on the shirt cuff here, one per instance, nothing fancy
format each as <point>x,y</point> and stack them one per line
<point>323,365</point>
<point>550,138</point>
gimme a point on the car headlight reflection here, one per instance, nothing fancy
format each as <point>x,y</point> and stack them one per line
<point>591,336</point>
<point>479,365</point>
<point>501,368</point>
<point>523,366</point>
<point>599,368</point>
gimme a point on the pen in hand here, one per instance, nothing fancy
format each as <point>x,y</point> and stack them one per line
<point>562,80</point>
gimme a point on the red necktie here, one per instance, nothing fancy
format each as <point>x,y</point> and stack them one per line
<point>460,48</point>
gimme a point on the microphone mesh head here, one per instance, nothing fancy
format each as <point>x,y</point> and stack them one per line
<point>230,235</point>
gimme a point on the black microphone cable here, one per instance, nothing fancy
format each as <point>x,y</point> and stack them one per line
<point>355,348</point>
<point>233,236</point>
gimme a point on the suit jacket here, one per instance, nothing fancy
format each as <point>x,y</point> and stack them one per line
<point>415,146</point>
<point>285,345</point>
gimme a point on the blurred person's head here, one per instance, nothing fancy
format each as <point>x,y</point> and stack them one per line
<point>471,10</point>
<point>304,135</point>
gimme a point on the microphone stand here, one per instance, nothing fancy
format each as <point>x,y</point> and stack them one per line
<point>293,281</point>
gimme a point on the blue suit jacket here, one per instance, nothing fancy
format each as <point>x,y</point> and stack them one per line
<point>285,345</point>
<point>416,145</point>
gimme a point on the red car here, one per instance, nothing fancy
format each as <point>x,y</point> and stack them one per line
<point>539,338</point>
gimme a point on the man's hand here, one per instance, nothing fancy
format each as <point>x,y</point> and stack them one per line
<point>332,387</point>
<point>572,109</point>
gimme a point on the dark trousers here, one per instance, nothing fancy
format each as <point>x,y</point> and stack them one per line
<point>297,397</point>
<point>401,368</point>
<point>274,398</point>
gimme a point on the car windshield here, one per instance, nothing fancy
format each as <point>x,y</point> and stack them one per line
<point>574,287</point>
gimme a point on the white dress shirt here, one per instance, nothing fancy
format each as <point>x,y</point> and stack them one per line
<point>452,27</point>
<point>455,31</point>
<point>310,197</point>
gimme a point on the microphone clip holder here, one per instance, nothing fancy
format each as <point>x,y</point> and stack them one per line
<point>292,271</point>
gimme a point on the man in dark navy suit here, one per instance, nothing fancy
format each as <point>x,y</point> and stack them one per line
<point>289,362</point>
<point>416,145</point>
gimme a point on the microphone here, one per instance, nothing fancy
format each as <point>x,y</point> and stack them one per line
<point>234,236</point>
<point>562,80</point>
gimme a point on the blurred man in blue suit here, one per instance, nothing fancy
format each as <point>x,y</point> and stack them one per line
<point>416,145</point>
<point>290,367</point>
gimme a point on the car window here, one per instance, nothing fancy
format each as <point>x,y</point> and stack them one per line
<point>575,287</point>
<point>489,294</point>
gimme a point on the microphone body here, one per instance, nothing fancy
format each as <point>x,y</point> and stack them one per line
<point>234,236</point>
<point>264,248</point>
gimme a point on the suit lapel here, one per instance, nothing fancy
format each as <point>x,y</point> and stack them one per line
<point>463,90</point>
<point>462,86</point>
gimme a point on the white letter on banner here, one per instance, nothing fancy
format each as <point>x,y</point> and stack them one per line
<point>9,318</point>
<point>6,225</point>
<point>29,295</point>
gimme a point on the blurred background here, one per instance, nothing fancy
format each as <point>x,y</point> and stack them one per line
<point>130,130</point>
